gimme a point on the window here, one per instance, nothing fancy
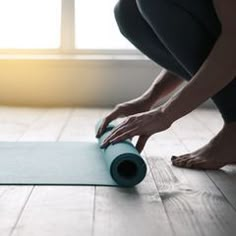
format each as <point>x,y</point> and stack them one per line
<point>30,24</point>
<point>60,26</point>
<point>96,27</point>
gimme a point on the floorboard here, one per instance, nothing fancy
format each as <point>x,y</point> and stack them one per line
<point>224,179</point>
<point>170,201</point>
<point>31,220</point>
<point>132,212</point>
<point>14,122</point>
<point>190,197</point>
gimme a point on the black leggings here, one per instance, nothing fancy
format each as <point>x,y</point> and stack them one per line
<point>178,35</point>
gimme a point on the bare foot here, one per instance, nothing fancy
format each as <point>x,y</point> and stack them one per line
<point>220,151</point>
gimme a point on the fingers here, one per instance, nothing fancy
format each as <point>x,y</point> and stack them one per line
<point>103,126</point>
<point>122,128</point>
<point>123,136</point>
<point>141,142</point>
<point>123,131</point>
<point>112,116</point>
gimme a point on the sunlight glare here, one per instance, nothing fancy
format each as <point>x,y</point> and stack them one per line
<point>96,27</point>
<point>28,24</point>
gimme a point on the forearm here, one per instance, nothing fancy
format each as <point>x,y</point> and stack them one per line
<point>164,84</point>
<point>214,74</point>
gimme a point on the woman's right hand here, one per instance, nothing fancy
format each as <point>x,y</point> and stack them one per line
<point>122,110</point>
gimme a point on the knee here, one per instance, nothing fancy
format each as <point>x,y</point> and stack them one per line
<point>143,4</point>
<point>123,13</point>
<point>146,6</point>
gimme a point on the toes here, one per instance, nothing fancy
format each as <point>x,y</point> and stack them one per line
<point>197,163</point>
<point>190,162</point>
<point>181,161</point>
<point>175,158</point>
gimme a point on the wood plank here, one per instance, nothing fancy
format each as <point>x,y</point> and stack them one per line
<point>13,123</point>
<point>133,212</point>
<point>226,178</point>
<point>210,119</point>
<point>57,210</point>
<point>193,203</point>
<point>61,210</point>
<point>46,128</point>
<point>82,125</point>
<point>137,211</point>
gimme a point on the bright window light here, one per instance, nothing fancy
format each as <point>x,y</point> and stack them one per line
<point>30,24</point>
<point>96,27</point>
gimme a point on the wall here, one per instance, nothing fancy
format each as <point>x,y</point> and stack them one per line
<point>80,82</point>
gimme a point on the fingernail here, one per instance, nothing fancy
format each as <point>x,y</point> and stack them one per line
<point>173,158</point>
<point>103,145</point>
<point>111,142</point>
<point>98,133</point>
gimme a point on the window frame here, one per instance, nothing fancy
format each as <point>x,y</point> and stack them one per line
<point>67,40</point>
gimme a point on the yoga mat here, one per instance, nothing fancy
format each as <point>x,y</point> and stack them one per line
<point>71,163</point>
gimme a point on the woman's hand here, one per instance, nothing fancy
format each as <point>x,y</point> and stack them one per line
<point>143,125</point>
<point>124,109</point>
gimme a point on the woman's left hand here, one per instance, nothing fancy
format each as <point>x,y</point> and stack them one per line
<point>143,125</point>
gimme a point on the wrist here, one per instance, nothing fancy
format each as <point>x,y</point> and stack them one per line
<point>155,93</point>
<point>145,102</point>
<point>168,117</point>
<point>149,100</point>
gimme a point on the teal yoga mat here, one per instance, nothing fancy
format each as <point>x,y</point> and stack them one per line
<point>71,163</point>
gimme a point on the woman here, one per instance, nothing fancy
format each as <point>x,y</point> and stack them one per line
<point>194,41</point>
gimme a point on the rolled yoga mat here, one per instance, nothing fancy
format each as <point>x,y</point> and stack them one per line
<point>71,163</point>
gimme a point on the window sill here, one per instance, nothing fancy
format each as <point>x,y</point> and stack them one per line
<point>89,57</point>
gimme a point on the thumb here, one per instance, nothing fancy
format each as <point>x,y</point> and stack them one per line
<point>141,142</point>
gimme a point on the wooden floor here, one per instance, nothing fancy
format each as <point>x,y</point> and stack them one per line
<point>171,201</point>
